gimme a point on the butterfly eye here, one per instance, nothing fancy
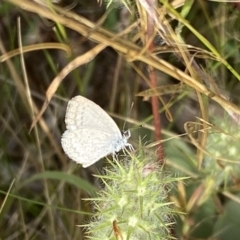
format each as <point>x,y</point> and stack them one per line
<point>126,134</point>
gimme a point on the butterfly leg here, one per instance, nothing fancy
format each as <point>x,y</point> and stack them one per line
<point>129,145</point>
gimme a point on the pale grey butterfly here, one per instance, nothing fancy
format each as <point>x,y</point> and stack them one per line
<point>91,133</point>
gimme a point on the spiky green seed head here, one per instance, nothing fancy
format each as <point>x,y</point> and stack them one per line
<point>134,202</point>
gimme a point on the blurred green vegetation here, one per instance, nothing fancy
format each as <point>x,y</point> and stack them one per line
<point>41,190</point>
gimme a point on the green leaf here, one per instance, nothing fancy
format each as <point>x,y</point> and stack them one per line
<point>62,176</point>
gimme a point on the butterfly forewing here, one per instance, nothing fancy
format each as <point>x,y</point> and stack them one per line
<point>83,113</point>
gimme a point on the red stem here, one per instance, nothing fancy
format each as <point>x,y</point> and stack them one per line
<point>154,99</point>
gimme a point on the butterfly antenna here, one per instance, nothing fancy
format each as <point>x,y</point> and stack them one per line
<point>128,114</point>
